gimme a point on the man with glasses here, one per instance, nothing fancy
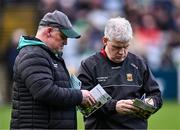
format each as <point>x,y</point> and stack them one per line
<point>124,76</point>
<point>42,95</point>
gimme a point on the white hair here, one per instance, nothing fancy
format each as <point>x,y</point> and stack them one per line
<point>118,29</point>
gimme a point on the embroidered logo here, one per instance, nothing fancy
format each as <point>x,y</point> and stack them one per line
<point>102,79</point>
<point>55,65</point>
<point>129,77</point>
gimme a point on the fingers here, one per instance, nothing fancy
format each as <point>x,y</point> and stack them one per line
<point>88,99</point>
<point>91,99</point>
<point>126,107</point>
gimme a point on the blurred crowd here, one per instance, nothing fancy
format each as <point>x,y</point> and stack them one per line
<point>156,26</point>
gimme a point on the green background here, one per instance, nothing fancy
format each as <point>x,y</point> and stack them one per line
<point>168,117</point>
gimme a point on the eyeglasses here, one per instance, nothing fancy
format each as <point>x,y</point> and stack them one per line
<point>61,34</point>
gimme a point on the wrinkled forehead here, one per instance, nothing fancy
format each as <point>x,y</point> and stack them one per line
<point>119,43</point>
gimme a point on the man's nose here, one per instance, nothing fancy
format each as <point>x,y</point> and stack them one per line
<point>121,50</point>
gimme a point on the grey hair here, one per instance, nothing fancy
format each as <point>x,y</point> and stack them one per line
<point>118,29</point>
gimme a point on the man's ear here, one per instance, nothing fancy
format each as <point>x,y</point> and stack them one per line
<point>105,40</point>
<point>48,31</point>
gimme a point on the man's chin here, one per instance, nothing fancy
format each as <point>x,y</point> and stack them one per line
<point>119,60</point>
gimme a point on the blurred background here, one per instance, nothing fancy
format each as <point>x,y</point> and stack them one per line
<point>156,26</point>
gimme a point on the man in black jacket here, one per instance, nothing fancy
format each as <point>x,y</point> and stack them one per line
<point>42,95</point>
<point>124,76</point>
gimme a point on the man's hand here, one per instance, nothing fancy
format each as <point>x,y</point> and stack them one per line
<point>126,107</point>
<point>88,99</point>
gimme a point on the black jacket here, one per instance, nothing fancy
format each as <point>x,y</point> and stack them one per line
<point>127,80</point>
<point>42,96</point>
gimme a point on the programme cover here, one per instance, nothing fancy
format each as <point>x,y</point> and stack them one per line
<point>75,82</point>
<point>100,96</point>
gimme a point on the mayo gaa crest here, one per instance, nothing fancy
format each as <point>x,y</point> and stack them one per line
<point>129,77</point>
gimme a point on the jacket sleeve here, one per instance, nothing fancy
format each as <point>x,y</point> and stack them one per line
<point>152,88</point>
<point>38,78</point>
